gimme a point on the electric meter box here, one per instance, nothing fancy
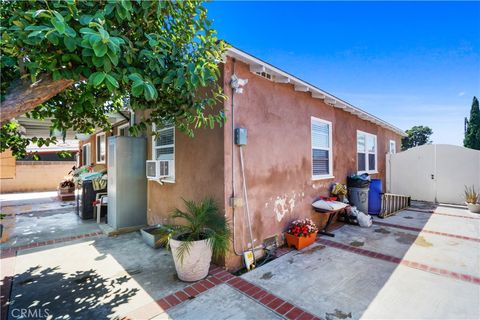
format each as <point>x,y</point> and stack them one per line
<point>241,136</point>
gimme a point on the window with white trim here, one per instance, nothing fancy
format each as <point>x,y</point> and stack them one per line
<point>163,144</point>
<point>366,152</point>
<point>322,158</point>
<point>123,130</point>
<point>392,147</point>
<point>86,154</point>
<point>100,147</point>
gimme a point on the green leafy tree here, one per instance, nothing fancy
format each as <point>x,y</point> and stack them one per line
<point>75,61</point>
<point>416,136</point>
<point>472,133</point>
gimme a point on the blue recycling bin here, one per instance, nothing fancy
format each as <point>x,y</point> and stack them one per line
<point>375,197</point>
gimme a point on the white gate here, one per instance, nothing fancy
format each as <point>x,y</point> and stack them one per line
<point>434,172</point>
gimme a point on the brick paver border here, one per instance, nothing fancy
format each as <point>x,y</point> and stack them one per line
<point>451,235</point>
<point>441,213</point>
<point>455,215</point>
<point>8,252</point>
<point>218,276</point>
<point>404,262</point>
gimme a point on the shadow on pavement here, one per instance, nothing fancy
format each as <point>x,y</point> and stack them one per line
<point>47,292</point>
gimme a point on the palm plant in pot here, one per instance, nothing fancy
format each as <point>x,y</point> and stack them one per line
<point>204,234</point>
<point>471,199</point>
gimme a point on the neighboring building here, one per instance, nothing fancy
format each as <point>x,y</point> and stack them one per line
<point>29,175</point>
<point>300,140</point>
<point>93,149</point>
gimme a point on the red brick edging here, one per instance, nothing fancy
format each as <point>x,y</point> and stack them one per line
<point>455,215</point>
<point>407,263</point>
<point>441,213</point>
<point>8,252</point>
<point>451,235</point>
<point>218,276</point>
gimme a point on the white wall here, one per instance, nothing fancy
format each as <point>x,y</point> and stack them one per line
<point>453,167</point>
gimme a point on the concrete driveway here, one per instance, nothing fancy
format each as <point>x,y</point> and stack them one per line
<point>415,265</point>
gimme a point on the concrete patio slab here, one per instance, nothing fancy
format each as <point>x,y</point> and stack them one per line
<point>456,210</point>
<point>335,284</point>
<point>457,255</point>
<point>358,274</point>
<point>414,294</point>
<point>33,201</point>
<point>92,279</point>
<point>221,302</point>
<point>47,225</point>
<point>437,222</point>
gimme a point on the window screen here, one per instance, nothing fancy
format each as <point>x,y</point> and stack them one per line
<point>321,148</point>
<point>164,146</point>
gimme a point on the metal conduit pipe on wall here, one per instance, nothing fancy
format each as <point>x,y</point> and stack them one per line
<point>252,248</point>
<point>233,163</point>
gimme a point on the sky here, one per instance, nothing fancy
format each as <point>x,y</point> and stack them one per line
<point>409,63</point>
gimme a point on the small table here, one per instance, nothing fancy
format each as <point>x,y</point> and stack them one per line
<point>331,216</point>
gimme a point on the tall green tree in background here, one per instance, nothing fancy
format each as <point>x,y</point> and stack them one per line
<point>416,136</point>
<point>75,61</point>
<point>472,132</point>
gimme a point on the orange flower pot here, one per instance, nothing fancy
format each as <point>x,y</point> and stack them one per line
<point>300,242</point>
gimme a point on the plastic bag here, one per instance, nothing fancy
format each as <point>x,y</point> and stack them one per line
<point>364,220</point>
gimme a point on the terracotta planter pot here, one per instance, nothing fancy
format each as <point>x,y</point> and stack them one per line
<point>196,262</point>
<point>66,190</point>
<point>300,242</point>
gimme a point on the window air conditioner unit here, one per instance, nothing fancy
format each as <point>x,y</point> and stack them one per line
<point>158,169</point>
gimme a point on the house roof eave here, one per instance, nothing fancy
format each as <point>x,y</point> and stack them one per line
<point>258,65</point>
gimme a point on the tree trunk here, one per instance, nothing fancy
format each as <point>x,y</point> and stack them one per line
<point>25,96</point>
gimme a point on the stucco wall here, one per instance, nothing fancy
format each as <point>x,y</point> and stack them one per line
<point>33,176</point>
<point>277,159</point>
<point>278,154</point>
<point>198,173</point>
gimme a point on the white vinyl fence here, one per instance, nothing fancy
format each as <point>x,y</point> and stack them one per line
<point>434,172</point>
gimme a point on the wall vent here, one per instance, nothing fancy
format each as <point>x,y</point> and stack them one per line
<point>265,75</point>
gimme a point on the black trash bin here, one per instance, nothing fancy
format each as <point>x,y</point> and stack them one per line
<point>87,198</point>
<point>358,187</point>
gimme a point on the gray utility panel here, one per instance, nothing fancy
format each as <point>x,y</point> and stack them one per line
<point>127,183</point>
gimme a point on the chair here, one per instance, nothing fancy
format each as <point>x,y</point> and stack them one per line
<point>101,199</point>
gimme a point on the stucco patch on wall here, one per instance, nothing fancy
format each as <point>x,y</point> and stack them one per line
<point>284,205</point>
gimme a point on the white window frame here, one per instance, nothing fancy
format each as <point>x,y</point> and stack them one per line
<point>390,144</point>
<point>367,162</point>
<point>123,126</point>
<point>329,149</point>
<point>154,148</point>
<point>84,159</point>
<point>97,148</point>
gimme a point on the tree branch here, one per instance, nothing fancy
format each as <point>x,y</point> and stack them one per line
<point>24,96</point>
